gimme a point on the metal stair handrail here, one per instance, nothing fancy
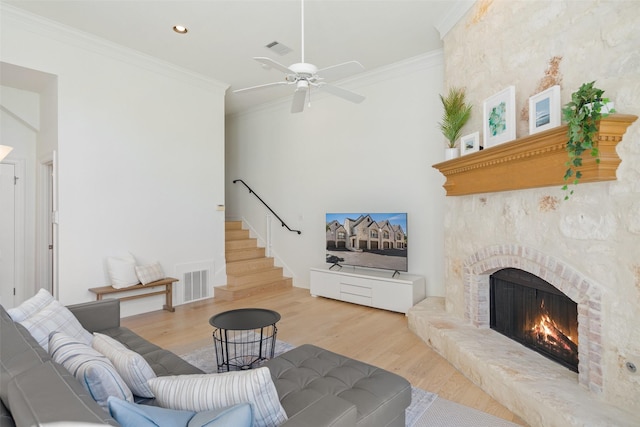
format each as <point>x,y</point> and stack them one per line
<point>267,206</point>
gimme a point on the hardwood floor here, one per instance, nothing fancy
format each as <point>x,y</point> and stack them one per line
<point>378,337</point>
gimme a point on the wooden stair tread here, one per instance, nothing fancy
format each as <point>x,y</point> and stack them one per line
<point>249,265</point>
<point>241,244</point>
<point>233,225</point>
<point>241,256</point>
<point>259,270</point>
<point>236,235</point>
<point>258,277</point>
<point>251,285</point>
<point>231,293</point>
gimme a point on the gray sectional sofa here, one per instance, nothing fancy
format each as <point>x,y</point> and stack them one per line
<point>315,387</point>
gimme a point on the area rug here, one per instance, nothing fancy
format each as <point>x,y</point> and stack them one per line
<point>426,409</point>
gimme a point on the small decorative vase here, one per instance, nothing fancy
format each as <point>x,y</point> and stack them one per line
<point>451,153</point>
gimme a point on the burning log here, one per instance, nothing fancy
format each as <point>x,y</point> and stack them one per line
<point>547,331</point>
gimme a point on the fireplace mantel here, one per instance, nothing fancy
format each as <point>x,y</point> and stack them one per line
<point>538,160</point>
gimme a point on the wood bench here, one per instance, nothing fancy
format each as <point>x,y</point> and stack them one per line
<point>166,282</point>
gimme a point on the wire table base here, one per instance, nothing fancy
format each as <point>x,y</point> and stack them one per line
<point>245,338</point>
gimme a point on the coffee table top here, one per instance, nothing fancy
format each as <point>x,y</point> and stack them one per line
<point>244,319</point>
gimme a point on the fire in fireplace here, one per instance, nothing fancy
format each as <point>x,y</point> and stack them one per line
<point>534,313</point>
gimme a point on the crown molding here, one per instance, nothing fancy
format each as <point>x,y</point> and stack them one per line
<point>74,37</point>
<point>458,9</point>
<point>398,69</point>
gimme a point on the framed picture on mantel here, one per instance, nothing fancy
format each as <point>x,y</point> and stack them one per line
<point>544,110</point>
<point>470,143</point>
<point>499,117</point>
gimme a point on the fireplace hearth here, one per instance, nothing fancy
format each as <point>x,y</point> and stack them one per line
<point>534,313</point>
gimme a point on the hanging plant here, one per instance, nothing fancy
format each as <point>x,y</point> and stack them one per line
<point>456,114</point>
<point>582,115</point>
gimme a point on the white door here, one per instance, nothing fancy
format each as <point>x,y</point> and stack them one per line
<point>7,235</point>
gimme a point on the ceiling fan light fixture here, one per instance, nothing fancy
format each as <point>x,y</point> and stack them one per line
<point>180,29</point>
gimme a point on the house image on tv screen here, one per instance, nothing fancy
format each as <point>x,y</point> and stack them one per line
<point>369,240</point>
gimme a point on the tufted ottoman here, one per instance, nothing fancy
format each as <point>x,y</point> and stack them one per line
<point>362,395</point>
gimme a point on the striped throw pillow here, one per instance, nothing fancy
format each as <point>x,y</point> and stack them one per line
<point>213,391</point>
<point>149,273</point>
<point>96,373</point>
<point>134,370</point>
<point>31,306</point>
<point>42,315</point>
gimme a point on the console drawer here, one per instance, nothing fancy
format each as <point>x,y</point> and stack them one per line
<point>364,291</point>
<point>356,299</point>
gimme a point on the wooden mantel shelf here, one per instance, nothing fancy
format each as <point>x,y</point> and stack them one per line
<point>538,160</point>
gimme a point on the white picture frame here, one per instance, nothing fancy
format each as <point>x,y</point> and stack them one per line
<point>544,110</point>
<point>499,117</point>
<point>470,143</point>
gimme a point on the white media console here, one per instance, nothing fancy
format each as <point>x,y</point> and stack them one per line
<point>374,288</point>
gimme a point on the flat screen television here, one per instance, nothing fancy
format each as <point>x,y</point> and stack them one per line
<point>372,240</point>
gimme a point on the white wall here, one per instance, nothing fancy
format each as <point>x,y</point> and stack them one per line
<point>140,155</point>
<point>342,157</point>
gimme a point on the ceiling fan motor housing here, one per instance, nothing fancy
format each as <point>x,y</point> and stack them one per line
<point>304,70</point>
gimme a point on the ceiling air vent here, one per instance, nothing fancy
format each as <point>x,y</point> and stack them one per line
<point>278,48</point>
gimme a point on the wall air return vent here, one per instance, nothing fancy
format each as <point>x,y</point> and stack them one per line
<point>195,282</point>
<point>196,285</point>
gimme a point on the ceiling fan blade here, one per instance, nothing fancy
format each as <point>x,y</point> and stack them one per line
<point>342,93</point>
<point>273,64</point>
<point>246,89</point>
<point>340,71</point>
<point>299,97</point>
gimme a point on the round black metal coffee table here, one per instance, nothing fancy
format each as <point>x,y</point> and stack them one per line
<point>244,338</point>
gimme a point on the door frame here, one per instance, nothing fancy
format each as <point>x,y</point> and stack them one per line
<point>19,266</point>
<point>46,228</point>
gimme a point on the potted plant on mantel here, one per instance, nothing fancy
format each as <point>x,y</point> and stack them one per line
<point>587,106</point>
<point>456,114</point>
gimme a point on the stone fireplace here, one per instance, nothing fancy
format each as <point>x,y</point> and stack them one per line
<point>584,250</point>
<point>579,254</point>
<point>586,247</point>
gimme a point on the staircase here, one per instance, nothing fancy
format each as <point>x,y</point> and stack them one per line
<point>248,270</point>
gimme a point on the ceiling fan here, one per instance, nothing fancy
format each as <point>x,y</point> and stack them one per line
<point>306,76</point>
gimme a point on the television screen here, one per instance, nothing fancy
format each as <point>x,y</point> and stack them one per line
<point>373,240</point>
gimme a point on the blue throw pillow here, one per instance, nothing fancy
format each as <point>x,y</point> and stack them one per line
<point>240,415</point>
<point>134,415</point>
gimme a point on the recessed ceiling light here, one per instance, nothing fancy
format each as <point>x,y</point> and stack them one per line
<point>180,29</point>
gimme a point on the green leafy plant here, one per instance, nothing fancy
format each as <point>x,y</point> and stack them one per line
<point>582,115</point>
<point>456,114</point>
